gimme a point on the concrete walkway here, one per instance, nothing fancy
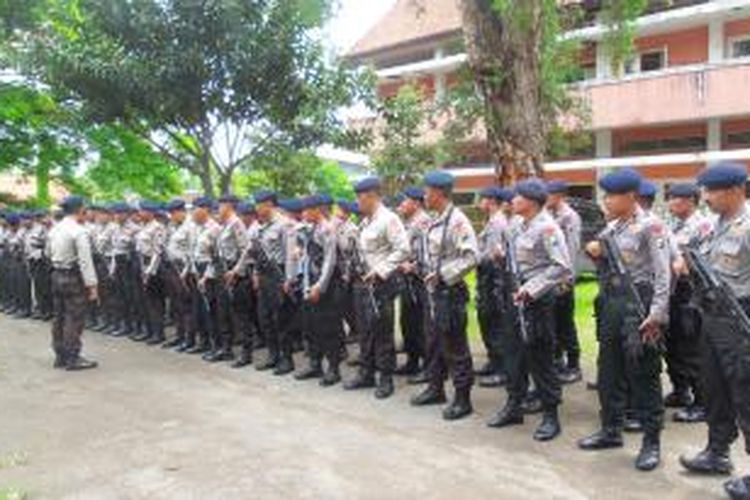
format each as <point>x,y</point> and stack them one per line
<point>155,424</point>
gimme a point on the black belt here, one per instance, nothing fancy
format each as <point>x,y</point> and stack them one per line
<point>73,269</point>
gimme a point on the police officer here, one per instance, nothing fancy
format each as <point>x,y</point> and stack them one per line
<point>204,277</point>
<point>630,344</point>
<point>74,284</point>
<point>726,350</point>
<point>416,221</point>
<point>150,243</point>
<point>492,319</point>
<point>176,270</point>
<point>568,351</point>
<point>381,247</point>
<point>269,275</point>
<point>543,265</point>
<point>22,285</point>
<point>233,311</point>
<point>683,342</point>
<point>318,287</point>
<point>38,264</point>
<point>452,252</point>
<point>346,232</point>
<point>121,269</point>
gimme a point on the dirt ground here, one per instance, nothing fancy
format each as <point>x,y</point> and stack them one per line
<point>155,424</point>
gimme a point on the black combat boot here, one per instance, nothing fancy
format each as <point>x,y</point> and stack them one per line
<point>710,461</point>
<point>79,363</point>
<point>331,377</point>
<point>738,489</point>
<point>602,440</point>
<point>488,368</point>
<point>494,380</point>
<point>650,455</point>
<point>420,378</point>
<point>363,380</point>
<point>385,386</point>
<point>411,367</point>
<point>460,407</point>
<point>678,398</point>
<point>245,358</point>
<point>430,396</point>
<point>532,403</point>
<point>284,366</point>
<point>510,414</point>
<point>549,429</point>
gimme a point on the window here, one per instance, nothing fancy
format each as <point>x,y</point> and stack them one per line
<point>696,143</point>
<point>652,60</point>
<point>739,47</point>
<point>738,139</point>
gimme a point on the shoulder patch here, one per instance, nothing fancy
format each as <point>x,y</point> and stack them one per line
<point>657,229</point>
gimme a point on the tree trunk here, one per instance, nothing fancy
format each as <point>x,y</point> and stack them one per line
<point>225,182</point>
<point>505,59</point>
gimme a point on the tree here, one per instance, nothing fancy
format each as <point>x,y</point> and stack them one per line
<point>37,136</point>
<point>208,84</point>
<point>520,65</point>
<point>401,153</point>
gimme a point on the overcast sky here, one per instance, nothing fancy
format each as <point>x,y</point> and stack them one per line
<point>353,19</point>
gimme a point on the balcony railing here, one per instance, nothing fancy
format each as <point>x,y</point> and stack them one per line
<point>688,93</point>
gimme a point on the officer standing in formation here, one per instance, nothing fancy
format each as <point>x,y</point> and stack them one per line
<point>273,275</point>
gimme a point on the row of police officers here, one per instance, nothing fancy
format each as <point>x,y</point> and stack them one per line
<point>302,274</point>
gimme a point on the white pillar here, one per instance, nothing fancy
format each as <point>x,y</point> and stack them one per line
<point>716,40</point>
<point>603,142</point>
<point>603,62</point>
<point>713,137</point>
<point>439,77</point>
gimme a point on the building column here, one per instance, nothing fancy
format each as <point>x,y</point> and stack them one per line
<point>713,137</point>
<point>439,77</point>
<point>716,40</point>
<point>603,62</point>
<point>603,149</point>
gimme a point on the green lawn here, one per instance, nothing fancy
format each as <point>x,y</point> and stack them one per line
<point>586,291</point>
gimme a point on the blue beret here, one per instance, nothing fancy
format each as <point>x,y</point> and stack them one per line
<point>415,193</point>
<point>683,190</point>
<point>557,186</point>
<point>354,208</point>
<point>505,194</point>
<point>533,189</point>
<point>398,199</point>
<point>72,203</point>
<point>343,203</point>
<point>203,202</point>
<point>149,206</point>
<point>367,184</point>
<point>439,179</point>
<point>723,175</point>
<point>293,205</point>
<point>624,180</point>
<point>120,208</point>
<point>174,205</point>
<point>229,198</point>
<point>265,195</point>
<point>13,219</point>
<point>312,201</point>
<point>490,192</point>
<point>325,199</point>
<point>647,189</point>
<point>245,208</point>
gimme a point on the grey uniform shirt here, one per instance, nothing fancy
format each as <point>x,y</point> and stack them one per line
<point>643,243</point>
<point>180,242</point>
<point>323,236</point>
<point>346,241</point>
<point>232,240</point>
<point>570,223</point>
<point>695,230</point>
<point>272,238</point>
<point>416,232</point>
<point>543,259</point>
<point>452,247</point>
<point>729,252</point>
<point>383,241</point>
<point>69,246</point>
<point>149,243</point>
<point>123,238</point>
<point>204,250</point>
<point>492,238</point>
<point>35,242</point>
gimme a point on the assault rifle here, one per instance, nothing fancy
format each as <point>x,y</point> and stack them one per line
<point>514,284</point>
<point>715,289</point>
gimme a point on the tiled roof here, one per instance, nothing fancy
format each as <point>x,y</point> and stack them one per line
<point>410,20</point>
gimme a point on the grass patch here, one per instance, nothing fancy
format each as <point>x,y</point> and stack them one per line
<point>13,494</point>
